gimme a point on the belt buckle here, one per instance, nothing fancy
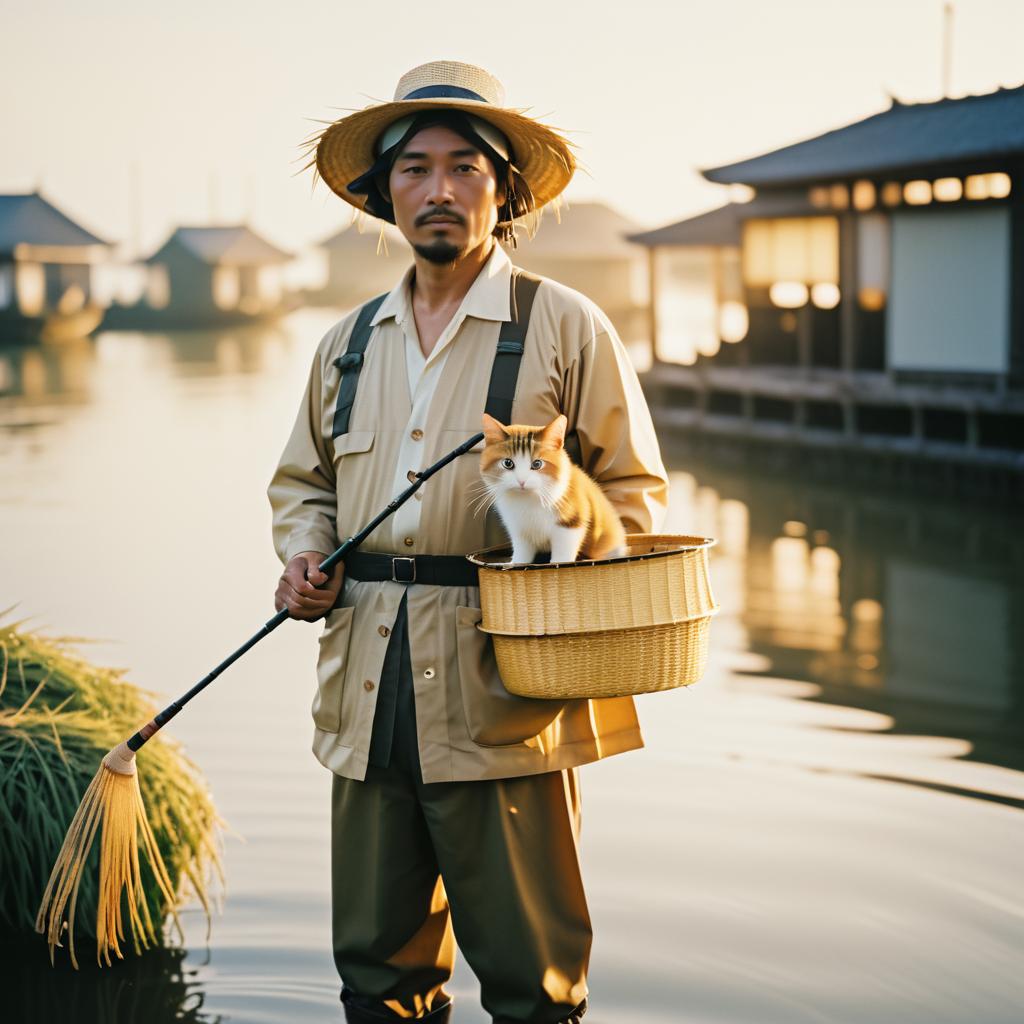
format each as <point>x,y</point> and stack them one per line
<point>394,569</point>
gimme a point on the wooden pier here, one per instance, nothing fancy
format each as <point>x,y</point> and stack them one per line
<point>854,425</point>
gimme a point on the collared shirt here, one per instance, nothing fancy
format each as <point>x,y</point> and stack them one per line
<point>486,299</point>
<point>468,725</point>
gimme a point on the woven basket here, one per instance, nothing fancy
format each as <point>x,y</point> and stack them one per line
<point>600,628</point>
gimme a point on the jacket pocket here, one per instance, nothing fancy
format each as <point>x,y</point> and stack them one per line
<point>353,441</point>
<point>354,469</point>
<point>494,716</point>
<point>331,667</point>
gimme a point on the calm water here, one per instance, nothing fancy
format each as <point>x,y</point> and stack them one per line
<point>826,828</point>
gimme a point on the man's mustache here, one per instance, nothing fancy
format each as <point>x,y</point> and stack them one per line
<point>425,218</point>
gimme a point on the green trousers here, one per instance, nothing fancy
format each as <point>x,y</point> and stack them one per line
<point>497,861</point>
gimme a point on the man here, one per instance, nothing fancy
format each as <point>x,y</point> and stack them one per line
<point>455,805</point>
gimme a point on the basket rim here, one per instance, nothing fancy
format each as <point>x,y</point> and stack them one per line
<point>696,544</point>
<point>714,610</point>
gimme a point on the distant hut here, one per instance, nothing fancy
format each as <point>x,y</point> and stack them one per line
<point>356,271</point>
<point>586,249</point>
<point>208,277</point>
<point>881,270</point>
<point>46,267</point>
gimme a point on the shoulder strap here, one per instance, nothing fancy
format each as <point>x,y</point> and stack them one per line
<point>352,362</point>
<point>509,354</point>
<point>511,342</point>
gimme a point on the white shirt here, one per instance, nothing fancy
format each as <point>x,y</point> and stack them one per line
<point>488,299</point>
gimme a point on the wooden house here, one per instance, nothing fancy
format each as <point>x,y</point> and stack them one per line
<point>870,296</point>
<point>46,271</point>
<point>360,266</point>
<point>207,277</point>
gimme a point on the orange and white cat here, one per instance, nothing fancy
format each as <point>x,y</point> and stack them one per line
<point>545,501</point>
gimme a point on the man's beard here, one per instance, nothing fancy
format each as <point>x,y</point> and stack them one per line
<point>440,250</point>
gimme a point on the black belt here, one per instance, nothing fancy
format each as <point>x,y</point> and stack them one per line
<point>440,570</point>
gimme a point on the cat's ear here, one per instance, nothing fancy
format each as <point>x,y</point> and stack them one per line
<point>554,433</point>
<point>494,430</point>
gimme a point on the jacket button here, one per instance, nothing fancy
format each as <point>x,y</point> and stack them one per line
<point>418,495</point>
<point>409,542</point>
<point>383,630</point>
<point>428,673</point>
<point>416,434</point>
<point>368,685</point>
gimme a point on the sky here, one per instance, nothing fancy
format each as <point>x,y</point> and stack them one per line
<point>134,117</point>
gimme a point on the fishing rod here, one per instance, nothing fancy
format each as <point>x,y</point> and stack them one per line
<point>114,799</point>
<point>136,741</point>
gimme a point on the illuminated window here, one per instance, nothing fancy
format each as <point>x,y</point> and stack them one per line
<point>918,193</point>
<point>818,196</point>
<point>948,190</point>
<point>825,296</point>
<point>788,294</point>
<point>998,185</point>
<point>873,239</point>
<point>863,195</point>
<point>804,249</point>
<point>871,299</point>
<point>226,287</point>
<point>892,193</point>
<point>987,186</point>
<point>30,287</point>
<point>733,321</point>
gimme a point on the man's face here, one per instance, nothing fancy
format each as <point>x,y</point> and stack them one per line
<point>444,193</point>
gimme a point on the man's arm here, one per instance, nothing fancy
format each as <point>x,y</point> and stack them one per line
<point>302,491</point>
<point>603,400</point>
<point>303,502</point>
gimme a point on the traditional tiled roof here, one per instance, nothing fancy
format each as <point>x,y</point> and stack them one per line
<point>906,136</point>
<point>723,225</point>
<point>28,218</point>
<point>235,246</point>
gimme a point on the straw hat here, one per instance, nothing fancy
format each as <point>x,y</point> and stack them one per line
<point>347,147</point>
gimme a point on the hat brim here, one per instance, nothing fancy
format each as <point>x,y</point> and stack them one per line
<point>345,149</point>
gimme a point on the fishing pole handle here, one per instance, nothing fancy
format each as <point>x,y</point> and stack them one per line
<point>161,719</point>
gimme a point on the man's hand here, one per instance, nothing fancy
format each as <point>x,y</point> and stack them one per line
<point>304,590</point>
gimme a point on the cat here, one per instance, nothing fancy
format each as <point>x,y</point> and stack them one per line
<point>545,502</point>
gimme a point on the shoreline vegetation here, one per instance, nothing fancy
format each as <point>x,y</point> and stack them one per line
<point>59,715</point>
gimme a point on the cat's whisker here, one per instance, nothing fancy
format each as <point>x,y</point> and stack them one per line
<point>482,488</point>
<point>484,507</point>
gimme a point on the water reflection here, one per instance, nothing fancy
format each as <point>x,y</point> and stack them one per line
<point>66,371</point>
<point>909,610</point>
<point>157,988</point>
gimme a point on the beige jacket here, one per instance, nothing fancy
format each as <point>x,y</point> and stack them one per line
<point>469,726</point>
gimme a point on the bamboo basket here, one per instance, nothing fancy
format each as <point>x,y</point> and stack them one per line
<point>611,627</point>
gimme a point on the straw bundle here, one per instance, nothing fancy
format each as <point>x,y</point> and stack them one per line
<point>58,715</point>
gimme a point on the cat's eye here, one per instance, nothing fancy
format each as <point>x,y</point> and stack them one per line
<point>507,463</point>
<point>536,464</point>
